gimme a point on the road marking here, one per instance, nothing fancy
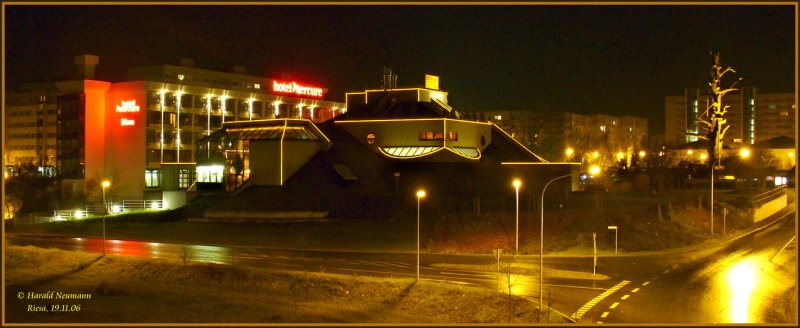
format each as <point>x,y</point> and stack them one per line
<point>577,287</point>
<point>635,290</point>
<point>605,314</point>
<point>666,271</point>
<point>578,314</point>
<point>646,283</point>
<point>613,305</point>
<point>626,297</point>
<point>600,322</point>
<point>466,274</point>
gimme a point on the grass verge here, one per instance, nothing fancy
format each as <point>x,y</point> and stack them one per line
<point>132,290</point>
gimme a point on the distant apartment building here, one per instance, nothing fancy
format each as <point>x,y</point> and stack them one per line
<point>565,136</point>
<point>752,116</point>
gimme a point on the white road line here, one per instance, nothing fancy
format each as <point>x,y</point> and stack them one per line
<point>625,297</point>
<point>646,283</point>
<point>613,306</point>
<point>465,274</point>
<point>635,290</point>
<point>605,314</point>
<point>578,314</point>
<point>577,287</point>
<point>666,271</point>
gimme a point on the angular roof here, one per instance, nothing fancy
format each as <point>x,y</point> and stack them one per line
<point>782,142</point>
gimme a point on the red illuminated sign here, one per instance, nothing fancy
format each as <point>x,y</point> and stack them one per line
<point>297,89</point>
<point>127,107</point>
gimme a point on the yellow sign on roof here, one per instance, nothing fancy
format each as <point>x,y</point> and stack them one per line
<point>431,82</point>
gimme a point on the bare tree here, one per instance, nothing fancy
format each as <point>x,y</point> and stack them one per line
<point>714,116</point>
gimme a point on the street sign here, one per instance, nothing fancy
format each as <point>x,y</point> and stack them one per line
<point>612,227</point>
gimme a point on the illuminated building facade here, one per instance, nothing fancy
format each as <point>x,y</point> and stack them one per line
<point>363,163</point>
<point>752,116</point>
<point>142,133</point>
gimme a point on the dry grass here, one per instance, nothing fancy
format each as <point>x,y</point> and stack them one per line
<point>131,290</point>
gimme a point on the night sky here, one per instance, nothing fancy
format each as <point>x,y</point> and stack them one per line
<point>608,59</point>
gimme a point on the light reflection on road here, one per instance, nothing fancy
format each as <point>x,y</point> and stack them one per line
<point>740,290</point>
<point>741,279</point>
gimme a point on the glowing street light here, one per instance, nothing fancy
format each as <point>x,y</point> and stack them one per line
<point>593,170</point>
<point>516,184</point>
<point>744,153</point>
<point>642,153</point>
<point>569,152</point>
<point>420,195</point>
<point>105,185</point>
<point>595,154</point>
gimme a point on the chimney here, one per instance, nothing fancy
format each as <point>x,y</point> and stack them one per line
<point>239,70</point>
<point>86,64</point>
<point>188,62</point>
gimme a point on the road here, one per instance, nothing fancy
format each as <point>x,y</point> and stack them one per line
<point>729,283</point>
<point>564,294</point>
<point>736,282</point>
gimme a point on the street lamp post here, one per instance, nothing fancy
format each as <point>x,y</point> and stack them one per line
<point>593,171</point>
<point>420,195</point>
<point>712,195</point>
<point>516,184</point>
<point>616,234</point>
<point>105,185</point>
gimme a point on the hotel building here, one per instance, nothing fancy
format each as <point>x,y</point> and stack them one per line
<point>132,132</point>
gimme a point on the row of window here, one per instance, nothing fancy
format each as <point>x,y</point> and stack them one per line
<point>29,135</point>
<point>152,178</point>
<point>185,77</point>
<point>430,135</point>
<point>30,147</point>
<point>27,100</point>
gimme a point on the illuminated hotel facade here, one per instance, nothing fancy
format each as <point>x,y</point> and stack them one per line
<point>132,132</point>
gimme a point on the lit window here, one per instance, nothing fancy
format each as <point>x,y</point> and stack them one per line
<point>427,135</point>
<point>498,117</point>
<point>184,178</point>
<point>152,178</point>
<point>452,136</point>
<point>257,86</point>
<point>180,77</point>
<point>210,174</point>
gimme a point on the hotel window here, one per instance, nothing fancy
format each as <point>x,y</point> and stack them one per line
<point>152,178</point>
<point>452,136</point>
<point>186,101</point>
<point>184,178</point>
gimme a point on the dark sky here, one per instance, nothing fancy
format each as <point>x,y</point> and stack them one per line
<point>587,59</point>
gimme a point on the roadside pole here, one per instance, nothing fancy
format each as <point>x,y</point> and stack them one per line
<point>594,245</point>
<point>497,253</point>
<point>724,218</point>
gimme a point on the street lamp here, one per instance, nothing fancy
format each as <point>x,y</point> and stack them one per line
<point>516,184</point>
<point>594,170</point>
<point>420,195</point>
<point>615,237</point>
<point>105,185</point>
<point>744,153</point>
<point>569,152</point>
